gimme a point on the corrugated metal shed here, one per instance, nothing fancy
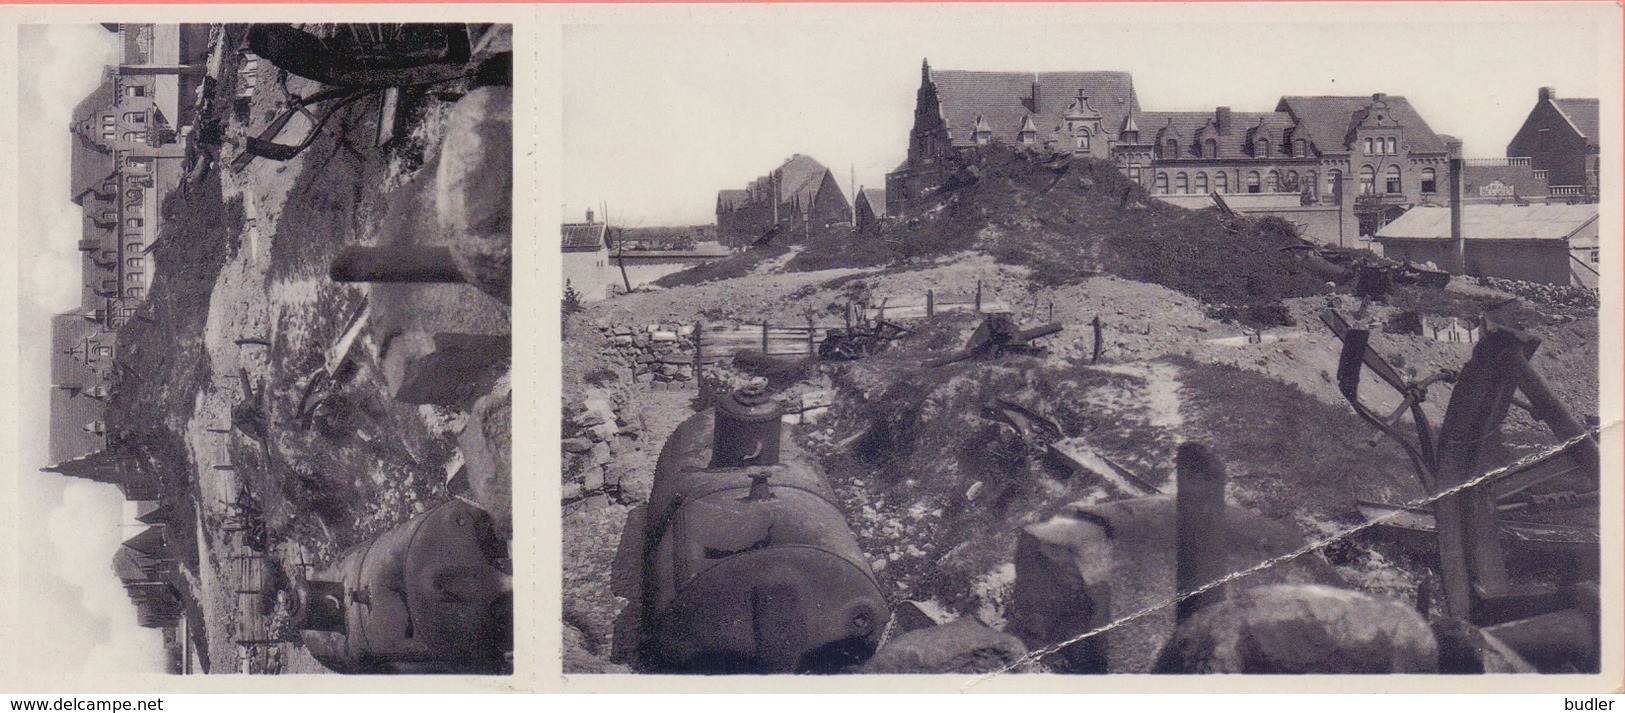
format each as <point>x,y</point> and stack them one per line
<point>1493,222</point>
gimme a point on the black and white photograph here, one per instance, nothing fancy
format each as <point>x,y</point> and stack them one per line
<point>1062,340</point>
<point>264,334</point>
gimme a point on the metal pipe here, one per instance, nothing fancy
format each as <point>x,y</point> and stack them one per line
<point>1200,534</point>
<point>395,263</point>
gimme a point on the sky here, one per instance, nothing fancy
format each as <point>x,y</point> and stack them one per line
<point>659,117</point>
<point>78,616</point>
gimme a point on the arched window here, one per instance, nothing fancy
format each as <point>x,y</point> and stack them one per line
<point>1368,181</point>
<point>1430,181</point>
<point>1221,182</point>
<point>1393,146</point>
<point>133,263</point>
<point>1182,183</point>
<point>133,247</point>
<point>1170,149</point>
<point>1081,141</point>
<point>135,136</point>
<point>1311,183</point>
<point>1201,183</point>
<point>1252,182</point>
<point>133,196</point>
<point>135,117</point>
<point>133,223</point>
<point>1368,147</point>
<point>1263,148</point>
<point>1274,182</point>
<point>1391,182</point>
<point>1210,148</point>
<point>134,292</point>
<point>1162,184</point>
<point>1291,181</point>
<point>1334,184</point>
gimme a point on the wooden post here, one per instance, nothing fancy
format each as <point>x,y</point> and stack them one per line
<point>1096,358</point>
<point>930,304</point>
<point>810,331</point>
<point>1471,560</point>
<point>699,356</point>
<point>1201,543</point>
<point>764,337</point>
<point>1051,311</point>
<point>978,296</point>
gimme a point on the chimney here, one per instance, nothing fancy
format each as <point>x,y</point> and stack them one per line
<point>1035,96</point>
<point>1221,116</point>
<point>589,215</point>
<point>925,70</point>
<point>1456,207</point>
<point>1379,97</point>
<point>1548,94</point>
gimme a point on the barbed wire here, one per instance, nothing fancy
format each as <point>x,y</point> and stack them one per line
<point>1035,656</point>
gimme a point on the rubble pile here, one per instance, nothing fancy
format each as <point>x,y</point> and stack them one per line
<point>661,354</point>
<point>595,433</point>
<point>1565,297</point>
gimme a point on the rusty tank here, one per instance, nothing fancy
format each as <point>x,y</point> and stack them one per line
<point>749,566</point>
<point>432,595</point>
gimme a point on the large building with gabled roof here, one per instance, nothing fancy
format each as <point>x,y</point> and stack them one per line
<point>1347,164</point>
<point>800,196</point>
<point>1560,139</point>
<point>128,145</point>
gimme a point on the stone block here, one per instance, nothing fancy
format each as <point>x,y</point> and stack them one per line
<point>442,368</point>
<point>960,646</point>
<point>577,445</point>
<point>474,188</point>
<point>599,454</point>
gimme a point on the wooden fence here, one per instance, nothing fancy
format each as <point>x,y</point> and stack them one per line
<point>715,343</point>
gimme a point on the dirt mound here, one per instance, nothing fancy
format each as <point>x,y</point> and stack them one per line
<point>1068,219</point>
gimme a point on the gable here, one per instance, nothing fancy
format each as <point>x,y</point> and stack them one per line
<point>1004,100</point>
<point>1329,121</point>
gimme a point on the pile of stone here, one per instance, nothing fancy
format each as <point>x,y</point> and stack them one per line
<point>595,433</point>
<point>661,355</point>
<point>1545,294</point>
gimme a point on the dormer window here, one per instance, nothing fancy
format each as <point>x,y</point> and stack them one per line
<point>1081,141</point>
<point>981,133</point>
<point>1263,148</point>
<point>1170,149</point>
<point>1393,146</point>
<point>1300,147</point>
<point>1368,147</point>
<point>1210,148</point>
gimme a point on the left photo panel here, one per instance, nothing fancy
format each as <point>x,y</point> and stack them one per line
<point>265,334</point>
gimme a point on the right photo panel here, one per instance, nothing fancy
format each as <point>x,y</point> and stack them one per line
<point>1085,341</point>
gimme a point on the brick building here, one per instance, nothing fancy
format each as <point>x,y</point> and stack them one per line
<point>127,153</point>
<point>800,196</point>
<point>1560,140</point>
<point>1349,164</point>
<point>869,209</point>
